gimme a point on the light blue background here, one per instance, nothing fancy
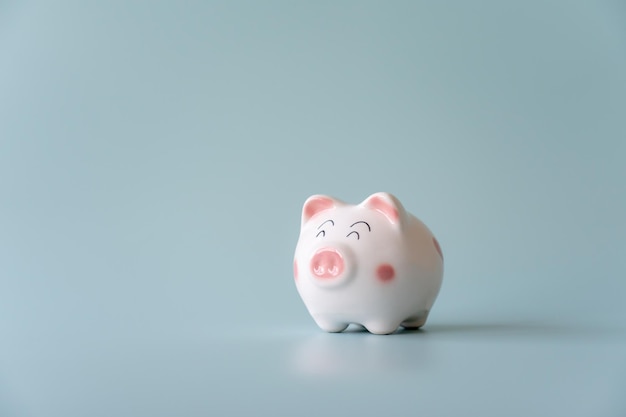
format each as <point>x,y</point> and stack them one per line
<point>154,158</point>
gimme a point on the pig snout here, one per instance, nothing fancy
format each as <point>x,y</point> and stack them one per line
<point>327,263</point>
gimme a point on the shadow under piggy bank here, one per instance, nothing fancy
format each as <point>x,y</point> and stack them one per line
<point>357,352</point>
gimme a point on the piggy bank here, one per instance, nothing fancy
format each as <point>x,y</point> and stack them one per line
<point>372,264</point>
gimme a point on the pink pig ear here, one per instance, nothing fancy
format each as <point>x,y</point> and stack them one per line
<point>316,204</point>
<point>388,205</point>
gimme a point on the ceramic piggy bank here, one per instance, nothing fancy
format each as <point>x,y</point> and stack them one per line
<point>371,264</point>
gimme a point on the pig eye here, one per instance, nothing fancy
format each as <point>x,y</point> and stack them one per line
<point>322,232</point>
<point>354,232</point>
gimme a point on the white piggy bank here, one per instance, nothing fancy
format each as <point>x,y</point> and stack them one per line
<point>371,264</point>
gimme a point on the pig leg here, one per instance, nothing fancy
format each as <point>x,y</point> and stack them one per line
<point>330,325</point>
<point>416,321</point>
<point>381,327</point>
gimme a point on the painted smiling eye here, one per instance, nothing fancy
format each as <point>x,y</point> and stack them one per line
<point>354,233</point>
<point>329,223</point>
<point>360,224</point>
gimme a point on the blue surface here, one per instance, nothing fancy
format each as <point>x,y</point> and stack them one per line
<point>154,159</point>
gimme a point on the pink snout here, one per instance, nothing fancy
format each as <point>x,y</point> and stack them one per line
<point>327,263</point>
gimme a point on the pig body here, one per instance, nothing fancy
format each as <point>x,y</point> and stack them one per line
<point>372,264</point>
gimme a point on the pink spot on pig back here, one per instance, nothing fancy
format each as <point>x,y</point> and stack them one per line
<point>438,248</point>
<point>295,270</point>
<point>385,273</point>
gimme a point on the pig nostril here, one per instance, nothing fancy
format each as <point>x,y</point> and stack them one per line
<point>327,263</point>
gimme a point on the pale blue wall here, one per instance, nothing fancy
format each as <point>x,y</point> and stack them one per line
<point>154,157</point>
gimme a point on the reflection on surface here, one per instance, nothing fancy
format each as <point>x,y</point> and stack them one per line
<point>357,352</point>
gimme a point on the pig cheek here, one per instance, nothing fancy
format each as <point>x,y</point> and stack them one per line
<point>385,273</point>
<point>295,270</point>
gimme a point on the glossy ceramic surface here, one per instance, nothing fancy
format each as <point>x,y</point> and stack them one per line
<point>372,264</point>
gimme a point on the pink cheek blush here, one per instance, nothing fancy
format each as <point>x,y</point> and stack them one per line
<point>295,270</point>
<point>385,272</point>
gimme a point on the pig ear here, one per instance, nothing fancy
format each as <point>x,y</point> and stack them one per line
<point>316,204</point>
<point>388,205</point>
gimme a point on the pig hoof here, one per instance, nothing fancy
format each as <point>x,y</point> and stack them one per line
<point>380,328</point>
<point>331,326</point>
<point>415,322</point>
